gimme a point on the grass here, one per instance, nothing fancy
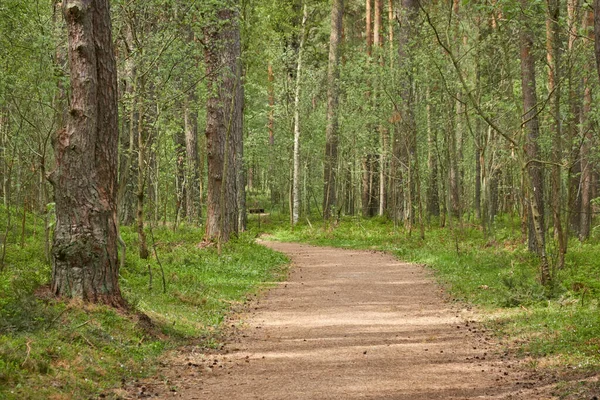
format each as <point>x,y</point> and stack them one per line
<point>55,350</point>
<point>497,274</point>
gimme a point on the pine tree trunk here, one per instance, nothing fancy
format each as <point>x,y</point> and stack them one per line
<point>223,122</point>
<point>84,255</point>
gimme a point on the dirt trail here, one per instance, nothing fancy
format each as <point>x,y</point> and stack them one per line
<point>352,325</point>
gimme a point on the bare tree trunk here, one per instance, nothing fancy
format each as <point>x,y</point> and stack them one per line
<point>223,122</point>
<point>85,256</point>
<point>193,201</point>
<point>587,144</point>
<point>597,34</point>
<point>433,204</point>
<point>553,58</point>
<point>142,172</point>
<point>331,146</point>
<point>532,149</point>
<point>181,176</point>
<point>404,147</point>
<point>574,119</point>
<point>296,182</point>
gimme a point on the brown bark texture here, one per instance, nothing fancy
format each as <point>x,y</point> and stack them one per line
<point>84,256</point>
<point>223,122</point>
<point>536,232</point>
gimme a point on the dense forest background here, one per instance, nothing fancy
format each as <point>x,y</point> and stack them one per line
<point>444,111</point>
<point>419,116</point>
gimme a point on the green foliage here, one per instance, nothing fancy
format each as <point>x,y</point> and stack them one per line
<point>48,347</point>
<point>498,275</point>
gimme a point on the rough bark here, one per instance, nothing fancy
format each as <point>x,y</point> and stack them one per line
<point>331,136</point>
<point>84,256</point>
<point>223,121</point>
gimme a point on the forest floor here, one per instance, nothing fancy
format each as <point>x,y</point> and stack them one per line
<point>350,324</point>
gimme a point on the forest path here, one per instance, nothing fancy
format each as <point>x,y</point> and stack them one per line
<point>352,325</point>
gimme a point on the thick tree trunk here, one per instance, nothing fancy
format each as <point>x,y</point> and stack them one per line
<point>331,136</point>
<point>85,258</point>
<point>223,122</point>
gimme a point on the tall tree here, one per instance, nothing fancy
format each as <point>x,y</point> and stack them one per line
<point>331,146</point>
<point>405,133</point>
<point>296,172</point>
<point>223,121</point>
<point>84,256</point>
<point>532,147</point>
<point>553,58</point>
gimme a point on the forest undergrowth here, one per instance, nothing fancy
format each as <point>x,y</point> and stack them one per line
<point>555,327</point>
<point>51,349</point>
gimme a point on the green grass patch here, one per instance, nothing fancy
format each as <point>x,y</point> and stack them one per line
<point>496,273</point>
<point>55,350</point>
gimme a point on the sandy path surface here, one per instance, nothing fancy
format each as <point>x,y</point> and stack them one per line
<point>351,325</point>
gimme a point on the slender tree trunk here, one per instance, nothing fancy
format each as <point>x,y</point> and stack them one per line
<point>85,257</point>
<point>223,122</point>
<point>193,201</point>
<point>587,143</point>
<point>553,58</point>
<point>331,146</point>
<point>597,34</point>
<point>532,150</point>
<point>296,182</point>
<point>404,148</point>
<point>181,176</point>
<point>573,122</point>
<point>142,172</point>
<point>433,204</point>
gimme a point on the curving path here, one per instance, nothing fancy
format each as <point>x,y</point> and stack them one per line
<point>351,325</point>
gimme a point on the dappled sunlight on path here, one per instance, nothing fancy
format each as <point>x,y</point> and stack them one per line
<point>354,325</point>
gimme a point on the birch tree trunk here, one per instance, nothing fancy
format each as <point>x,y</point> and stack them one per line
<point>296,182</point>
